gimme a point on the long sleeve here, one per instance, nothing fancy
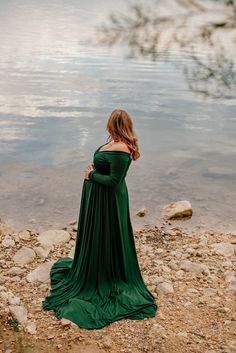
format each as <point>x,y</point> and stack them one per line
<point>118,169</point>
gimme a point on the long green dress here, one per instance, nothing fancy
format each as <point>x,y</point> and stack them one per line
<point>103,283</point>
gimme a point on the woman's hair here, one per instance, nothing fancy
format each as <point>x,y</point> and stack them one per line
<point>120,128</point>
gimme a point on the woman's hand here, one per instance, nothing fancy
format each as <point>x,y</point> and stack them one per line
<point>88,170</point>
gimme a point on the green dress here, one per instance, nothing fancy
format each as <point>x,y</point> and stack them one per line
<point>103,283</point>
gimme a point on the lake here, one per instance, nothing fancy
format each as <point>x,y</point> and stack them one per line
<point>58,84</point>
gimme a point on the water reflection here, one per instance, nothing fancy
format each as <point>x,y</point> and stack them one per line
<point>57,89</point>
<point>151,30</point>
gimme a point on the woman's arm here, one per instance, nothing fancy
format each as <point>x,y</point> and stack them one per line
<point>118,168</point>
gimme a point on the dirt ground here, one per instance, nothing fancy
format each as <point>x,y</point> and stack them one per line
<point>196,311</point>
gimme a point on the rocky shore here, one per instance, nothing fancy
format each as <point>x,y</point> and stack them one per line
<point>190,272</point>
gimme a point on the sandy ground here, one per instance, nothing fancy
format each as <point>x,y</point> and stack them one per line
<point>191,278</point>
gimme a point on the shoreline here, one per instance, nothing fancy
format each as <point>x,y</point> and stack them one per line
<point>191,277</point>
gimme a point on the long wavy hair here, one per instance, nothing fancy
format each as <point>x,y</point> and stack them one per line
<point>120,128</point>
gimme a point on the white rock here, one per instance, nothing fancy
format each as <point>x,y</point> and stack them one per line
<point>179,274</point>
<point>41,274</point>
<point>42,252</point>
<point>51,238</point>
<point>164,288</point>
<point>3,289</point>
<point>232,287</point>
<point>194,267</point>
<point>72,252</point>
<point>12,299</point>
<point>208,292</point>
<point>24,256</point>
<point>229,276</point>
<point>178,209</point>
<point>8,242</point>
<point>225,249</point>
<point>182,334</point>
<point>31,327</point>
<point>15,271</point>
<point>191,292</point>
<point>24,235</point>
<point>19,313</point>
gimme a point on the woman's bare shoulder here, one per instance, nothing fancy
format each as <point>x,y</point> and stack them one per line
<point>120,146</point>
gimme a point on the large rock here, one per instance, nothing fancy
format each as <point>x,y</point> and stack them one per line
<point>224,249</point>
<point>24,256</point>
<point>194,267</point>
<point>19,313</point>
<point>178,209</point>
<point>41,274</point>
<point>51,238</point>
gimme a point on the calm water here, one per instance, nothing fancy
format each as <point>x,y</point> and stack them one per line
<point>57,89</point>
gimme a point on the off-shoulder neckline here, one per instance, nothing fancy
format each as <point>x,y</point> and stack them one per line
<point>98,150</point>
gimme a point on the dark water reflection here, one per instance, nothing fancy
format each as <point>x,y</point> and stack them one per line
<point>57,89</point>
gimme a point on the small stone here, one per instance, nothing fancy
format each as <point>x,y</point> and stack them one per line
<point>19,313</point>
<point>208,292</point>
<point>50,337</point>
<point>107,342</point>
<point>182,334</point>
<point>73,222</point>
<point>24,256</point>
<point>72,252</point>
<point>42,252</point>
<point>31,327</point>
<point>8,242</point>
<point>191,292</point>
<point>224,249</point>
<point>164,288</point>
<point>197,268</point>
<point>3,289</point>
<point>13,300</point>
<point>142,212</point>
<point>15,271</point>
<point>24,235</point>
<point>232,287</point>
<point>229,276</point>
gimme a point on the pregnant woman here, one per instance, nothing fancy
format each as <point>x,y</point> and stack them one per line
<point>103,282</point>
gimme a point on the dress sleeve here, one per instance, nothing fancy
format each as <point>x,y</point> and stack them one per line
<point>118,169</point>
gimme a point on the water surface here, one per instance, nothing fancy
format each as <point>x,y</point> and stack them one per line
<point>57,89</point>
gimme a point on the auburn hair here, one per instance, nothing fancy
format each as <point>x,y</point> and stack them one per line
<point>120,128</point>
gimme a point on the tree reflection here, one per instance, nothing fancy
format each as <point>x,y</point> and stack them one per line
<point>189,26</point>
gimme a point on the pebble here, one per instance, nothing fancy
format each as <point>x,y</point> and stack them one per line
<point>31,327</point>
<point>8,242</point>
<point>165,288</point>
<point>224,249</point>
<point>197,268</point>
<point>24,256</point>
<point>19,313</point>
<point>24,235</point>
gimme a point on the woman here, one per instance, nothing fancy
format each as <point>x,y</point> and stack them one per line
<point>103,282</point>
